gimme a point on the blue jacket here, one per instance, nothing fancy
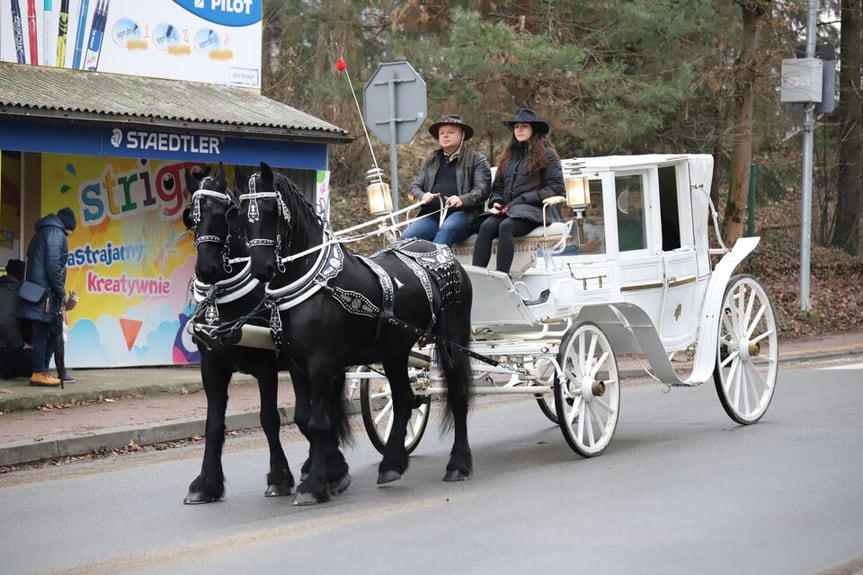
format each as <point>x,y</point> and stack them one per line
<point>47,255</point>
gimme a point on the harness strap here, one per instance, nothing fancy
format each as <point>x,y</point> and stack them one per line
<point>394,321</point>
<point>423,276</point>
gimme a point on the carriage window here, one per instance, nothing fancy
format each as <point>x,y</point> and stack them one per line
<point>630,213</point>
<point>668,209</point>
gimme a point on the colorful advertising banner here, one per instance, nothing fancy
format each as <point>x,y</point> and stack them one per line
<point>130,259</point>
<point>216,41</point>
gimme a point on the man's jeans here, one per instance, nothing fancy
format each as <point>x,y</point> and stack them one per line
<point>454,230</point>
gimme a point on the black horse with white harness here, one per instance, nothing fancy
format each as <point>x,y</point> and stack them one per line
<point>331,309</point>
<point>228,297</point>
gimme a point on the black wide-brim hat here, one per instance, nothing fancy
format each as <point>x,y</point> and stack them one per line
<point>452,120</point>
<point>528,116</point>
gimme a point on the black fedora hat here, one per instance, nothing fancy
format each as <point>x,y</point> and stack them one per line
<point>452,120</point>
<point>527,116</point>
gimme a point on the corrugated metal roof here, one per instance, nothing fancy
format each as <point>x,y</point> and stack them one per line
<point>57,93</point>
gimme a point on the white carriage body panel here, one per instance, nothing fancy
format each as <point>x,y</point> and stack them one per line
<point>653,212</point>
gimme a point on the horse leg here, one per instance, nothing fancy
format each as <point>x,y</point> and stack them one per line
<point>395,460</point>
<point>280,481</point>
<point>209,485</point>
<point>326,423</point>
<point>302,414</point>
<point>338,478</point>
<point>458,376</point>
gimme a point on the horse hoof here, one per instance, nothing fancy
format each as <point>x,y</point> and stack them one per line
<point>302,499</point>
<point>199,497</point>
<point>277,490</point>
<point>340,485</point>
<point>456,475</point>
<point>385,477</point>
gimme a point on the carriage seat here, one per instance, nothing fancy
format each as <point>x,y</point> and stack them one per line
<point>552,236</point>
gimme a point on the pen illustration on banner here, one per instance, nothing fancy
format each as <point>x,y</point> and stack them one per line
<point>127,34</point>
<point>79,33</point>
<point>97,35</point>
<point>33,31</point>
<point>62,30</point>
<point>18,32</point>
<point>47,25</point>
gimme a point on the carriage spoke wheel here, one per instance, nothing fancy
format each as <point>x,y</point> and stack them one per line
<point>587,398</point>
<point>747,354</point>
<point>546,401</point>
<point>376,403</point>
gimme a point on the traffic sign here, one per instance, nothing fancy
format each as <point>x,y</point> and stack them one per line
<point>395,102</point>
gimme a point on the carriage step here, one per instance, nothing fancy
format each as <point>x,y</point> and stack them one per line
<point>543,297</point>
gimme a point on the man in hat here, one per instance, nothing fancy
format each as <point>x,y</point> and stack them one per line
<point>455,176</point>
<point>47,255</point>
<point>15,353</point>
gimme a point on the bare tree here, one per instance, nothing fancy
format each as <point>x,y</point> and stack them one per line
<point>745,74</point>
<point>849,114</point>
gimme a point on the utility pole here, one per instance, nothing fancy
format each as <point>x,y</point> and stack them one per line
<point>808,146</point>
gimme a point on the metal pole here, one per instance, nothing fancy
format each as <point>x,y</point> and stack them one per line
<point>808,145</point>
<point>394,169</point>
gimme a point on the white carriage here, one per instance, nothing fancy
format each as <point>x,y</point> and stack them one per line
<point>627,270</point>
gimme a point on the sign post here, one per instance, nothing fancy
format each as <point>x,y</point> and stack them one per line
<point>395,108</point>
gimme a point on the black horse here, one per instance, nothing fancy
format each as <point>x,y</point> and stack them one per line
<point>226,293</point>
<point>332,309</point>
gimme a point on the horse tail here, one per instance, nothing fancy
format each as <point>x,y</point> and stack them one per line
<point>338,411</point>
<point>453,340</point>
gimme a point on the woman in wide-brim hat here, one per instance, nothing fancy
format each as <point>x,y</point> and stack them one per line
<point>528,172</point>
<point>528,116</point>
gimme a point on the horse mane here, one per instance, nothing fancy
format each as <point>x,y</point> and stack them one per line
<point>306,223</point>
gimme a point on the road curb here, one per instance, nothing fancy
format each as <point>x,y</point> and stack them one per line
<point>122,437</point>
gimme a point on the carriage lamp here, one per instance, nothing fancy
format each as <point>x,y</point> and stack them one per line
<point>378,192</point>
<point>577,193</point>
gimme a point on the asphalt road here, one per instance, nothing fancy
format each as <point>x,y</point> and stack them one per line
<point>681,489</point>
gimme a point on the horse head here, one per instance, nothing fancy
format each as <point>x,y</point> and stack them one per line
<point>267,223</point>
<point>214,215</point>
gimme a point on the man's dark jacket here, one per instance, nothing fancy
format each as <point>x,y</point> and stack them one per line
<point>473,181</point>
<point>10,334</point>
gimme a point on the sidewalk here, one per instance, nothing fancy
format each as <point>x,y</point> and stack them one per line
<point>112,409</point>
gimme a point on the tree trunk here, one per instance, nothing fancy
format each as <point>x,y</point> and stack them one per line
<point>741,132</point>
<point>849,113</point>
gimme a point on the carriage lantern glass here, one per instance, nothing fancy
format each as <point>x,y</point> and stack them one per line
<point>378,192</point>
<point>577,192</point>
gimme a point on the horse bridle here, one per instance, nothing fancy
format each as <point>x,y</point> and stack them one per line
<point>254,214</point>
<point>223,197</point>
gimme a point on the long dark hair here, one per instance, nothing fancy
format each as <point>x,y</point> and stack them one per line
<point>536,159</point>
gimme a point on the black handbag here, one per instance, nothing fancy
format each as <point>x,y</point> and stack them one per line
<point>32,292</point>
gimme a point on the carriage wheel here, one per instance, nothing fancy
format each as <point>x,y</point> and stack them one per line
<point>588,397</point>
<point>546,401</point>
<point>376,402</point>
<point>747,352</point>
